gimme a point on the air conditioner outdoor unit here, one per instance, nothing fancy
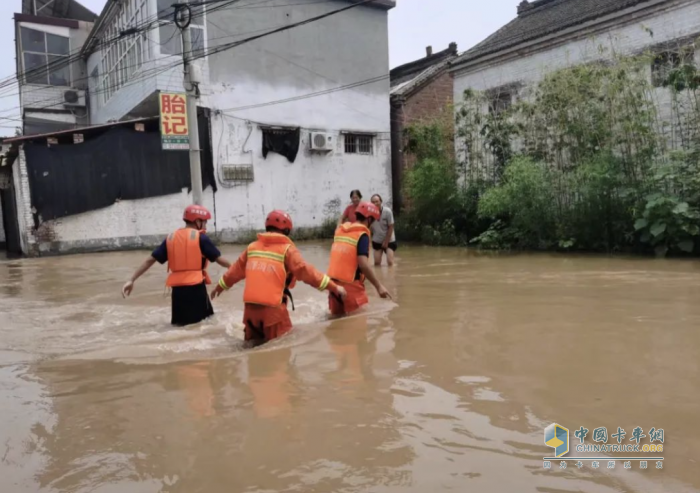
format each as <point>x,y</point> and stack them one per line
<point>74,98</point>
<point>321,141</point>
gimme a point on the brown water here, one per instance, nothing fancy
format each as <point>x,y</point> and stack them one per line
<point>448,388</point>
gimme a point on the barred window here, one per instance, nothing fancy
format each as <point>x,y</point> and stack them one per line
<point>358,144</point>
<point>123,56</point>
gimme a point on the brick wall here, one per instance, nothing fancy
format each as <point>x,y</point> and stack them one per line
<point>433,102</point>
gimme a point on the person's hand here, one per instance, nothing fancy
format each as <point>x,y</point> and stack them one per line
<point>127,289</point>
<point>385,245</point>
<point>341,292</point>
<point>216,292</point>
<point>383,293</point>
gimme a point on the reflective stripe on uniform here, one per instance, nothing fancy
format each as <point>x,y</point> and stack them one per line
<point>324,283</point>
<point>345,239</point>
<point>223,284</point>
<point>268,255</point>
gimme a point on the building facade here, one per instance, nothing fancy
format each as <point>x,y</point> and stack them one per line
<point>548,35</point>
<point>50,74</point>
<point>295,119</point>
<point>421,92</point>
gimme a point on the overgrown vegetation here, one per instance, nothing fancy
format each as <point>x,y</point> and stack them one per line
<point>594,157</point>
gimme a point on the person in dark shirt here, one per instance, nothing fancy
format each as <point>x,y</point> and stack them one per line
<point>187,252</point>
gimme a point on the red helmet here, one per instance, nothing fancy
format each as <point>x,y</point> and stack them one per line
<point>279,219</point>
<point>194,212</point>
<point>368,210</point>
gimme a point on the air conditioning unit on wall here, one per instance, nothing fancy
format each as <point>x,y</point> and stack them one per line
<point>321,141</point>
<point>74,98</point>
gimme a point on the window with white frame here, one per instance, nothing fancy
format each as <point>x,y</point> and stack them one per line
<point>170,37</point>
<point>45,58</point>
<point>123,56</point>
<point>358,144</point>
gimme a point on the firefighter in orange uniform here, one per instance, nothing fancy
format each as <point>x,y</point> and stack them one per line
<point>188,252</point>
<point>271,266</point>
<point>349,263</point>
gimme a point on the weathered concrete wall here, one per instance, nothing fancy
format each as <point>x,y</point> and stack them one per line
<point>630,35</point>
<point>343,49</point>
<point>2,229</point>
<point>340,50</point>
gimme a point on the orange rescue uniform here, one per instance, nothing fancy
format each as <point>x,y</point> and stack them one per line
<point>343,268</point>
<point>271,265</point>
<point>187,265</point>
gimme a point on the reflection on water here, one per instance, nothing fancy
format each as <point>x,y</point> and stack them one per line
<point>448,388</point>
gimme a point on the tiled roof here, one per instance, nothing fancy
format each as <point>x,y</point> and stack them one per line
<point>405,78</point>
<point>543,17</point>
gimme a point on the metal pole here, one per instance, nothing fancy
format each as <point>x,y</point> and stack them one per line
<point>190,85</point>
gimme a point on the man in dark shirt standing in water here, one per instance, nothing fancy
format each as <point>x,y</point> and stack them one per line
<point>188,252</point>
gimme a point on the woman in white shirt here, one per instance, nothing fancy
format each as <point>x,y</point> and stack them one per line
<point>383,237</point>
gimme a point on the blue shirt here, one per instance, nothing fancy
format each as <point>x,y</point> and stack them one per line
<point>210,252</point>
<point>362,251</point>
<point>363,246</point>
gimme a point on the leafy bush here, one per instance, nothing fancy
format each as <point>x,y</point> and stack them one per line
<point>525,201</point>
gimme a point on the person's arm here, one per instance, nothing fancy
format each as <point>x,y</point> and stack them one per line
<point>159,255</point>
<point>367,270</point>
<point>223,262</point>
<point>211,253</point>
<point>235,274</point>
<point>345,216</point>
<point>129,286</point>
<point>308,274</point>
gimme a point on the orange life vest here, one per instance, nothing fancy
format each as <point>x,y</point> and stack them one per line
<point>265,274</point>
<point>185,259</point>
<point>343,264</point>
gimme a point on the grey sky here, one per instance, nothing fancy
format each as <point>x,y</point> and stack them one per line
<point>413,25</point>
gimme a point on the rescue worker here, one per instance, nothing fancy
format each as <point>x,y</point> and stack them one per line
<point>188,252</point>
<point>271,266</point>
<point>349,262</point>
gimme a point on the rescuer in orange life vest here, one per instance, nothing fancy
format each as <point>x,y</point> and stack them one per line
<point>271,266</point>
<point>188,252</point>
<point>349,263</point>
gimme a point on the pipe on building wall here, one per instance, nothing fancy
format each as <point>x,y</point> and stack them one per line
<point>397,158</point>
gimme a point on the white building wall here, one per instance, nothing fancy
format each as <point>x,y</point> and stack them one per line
<point>316,186</point>
<point>630,36</point>
<point>124,100</point>
<point>25,220</point>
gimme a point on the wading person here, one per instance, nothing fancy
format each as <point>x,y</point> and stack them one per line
<point>188,252</point>
<point>349,212</point>
<point>383,236</point>
<point>349,263</point>
<point>271,266</point>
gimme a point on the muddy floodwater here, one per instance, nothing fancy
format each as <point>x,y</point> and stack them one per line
<point>447,388</point>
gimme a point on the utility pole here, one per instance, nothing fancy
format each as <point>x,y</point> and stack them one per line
<point>183,19</point>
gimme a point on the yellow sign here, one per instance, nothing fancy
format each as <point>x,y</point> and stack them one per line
<point>174,127</point>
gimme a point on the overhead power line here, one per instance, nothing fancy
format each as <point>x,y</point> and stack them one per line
<point>225,47</point>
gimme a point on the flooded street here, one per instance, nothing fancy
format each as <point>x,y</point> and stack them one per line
<point>447,388</point>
